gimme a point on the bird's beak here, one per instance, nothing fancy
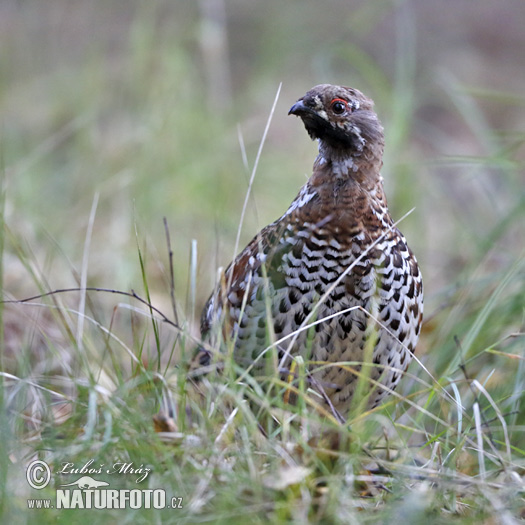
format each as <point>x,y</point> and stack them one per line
<point>299,109</point>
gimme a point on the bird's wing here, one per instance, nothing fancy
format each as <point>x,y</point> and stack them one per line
<point>266,249</point>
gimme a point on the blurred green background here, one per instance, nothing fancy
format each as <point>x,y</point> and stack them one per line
<point>143,103</point>
<point>146,109</point>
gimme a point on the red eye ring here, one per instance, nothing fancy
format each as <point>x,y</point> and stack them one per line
<point>338,106</point>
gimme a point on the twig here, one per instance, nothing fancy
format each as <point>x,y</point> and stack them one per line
<point>172,274</point>
<point>132,294</point>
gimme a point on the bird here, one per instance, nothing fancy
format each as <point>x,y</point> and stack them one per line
<point>333,279</point>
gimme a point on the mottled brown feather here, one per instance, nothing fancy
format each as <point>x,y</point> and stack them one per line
<point>338,221</point>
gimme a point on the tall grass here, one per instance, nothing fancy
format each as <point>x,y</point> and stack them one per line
<point>89,176</point>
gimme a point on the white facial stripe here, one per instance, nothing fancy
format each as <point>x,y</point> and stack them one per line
<point>322,113</point>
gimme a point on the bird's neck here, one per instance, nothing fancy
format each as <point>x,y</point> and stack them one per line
<point>362,164</point>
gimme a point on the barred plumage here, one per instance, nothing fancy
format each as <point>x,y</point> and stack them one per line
<point>334,258</point>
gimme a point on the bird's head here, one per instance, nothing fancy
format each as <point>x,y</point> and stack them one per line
<point>343,120</point>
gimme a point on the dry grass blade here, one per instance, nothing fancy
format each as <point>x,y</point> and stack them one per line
<point>84,273</point>
<point>252,176</point>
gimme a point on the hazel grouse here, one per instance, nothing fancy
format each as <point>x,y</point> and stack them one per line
<point>333,276</point>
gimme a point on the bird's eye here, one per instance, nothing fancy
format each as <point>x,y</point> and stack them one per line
<point>339,106</point>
